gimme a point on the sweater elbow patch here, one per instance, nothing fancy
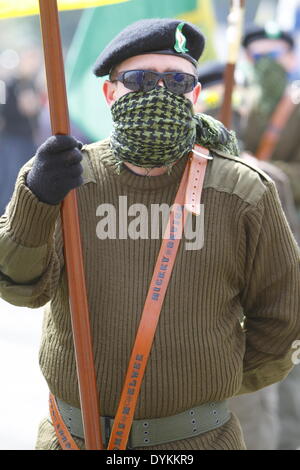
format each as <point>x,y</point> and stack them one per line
<point>21,295</point>
<point>21,264</point>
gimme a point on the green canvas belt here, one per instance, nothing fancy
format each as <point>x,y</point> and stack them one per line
<point>149,432</point>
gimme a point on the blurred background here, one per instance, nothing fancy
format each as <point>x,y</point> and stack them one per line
<point>25,124</point>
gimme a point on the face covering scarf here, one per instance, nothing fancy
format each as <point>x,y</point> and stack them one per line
<point>157,128</point>
<point>272,81</point>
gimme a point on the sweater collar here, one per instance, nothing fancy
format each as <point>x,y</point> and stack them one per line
<point>130,179</point>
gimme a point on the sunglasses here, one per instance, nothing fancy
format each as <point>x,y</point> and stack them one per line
<point>178,83</point>
<point>270,55</point>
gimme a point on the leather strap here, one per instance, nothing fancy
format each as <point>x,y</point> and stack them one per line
<point>196,178</point>
<point>194,172</point>
<point>277,123</point>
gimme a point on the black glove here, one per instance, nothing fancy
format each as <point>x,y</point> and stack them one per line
<point>56,169</point>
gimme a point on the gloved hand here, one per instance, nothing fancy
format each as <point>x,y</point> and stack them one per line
<point>56,169</point>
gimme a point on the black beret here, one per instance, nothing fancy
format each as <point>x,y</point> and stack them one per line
<point>211,73</point>
<point>270,31</point>
<point>159,36</point>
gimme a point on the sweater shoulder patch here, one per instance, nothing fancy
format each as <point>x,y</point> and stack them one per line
<point>88,174</point>
<point>233,175</point>
<point>88,153</point>
<point>246,163</point>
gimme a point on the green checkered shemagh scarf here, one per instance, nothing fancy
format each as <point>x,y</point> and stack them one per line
<point>157,128</point>
<point>272,80</point>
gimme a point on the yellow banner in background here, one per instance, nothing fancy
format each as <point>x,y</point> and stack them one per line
<point>204,17</point>
<point>13,8</point>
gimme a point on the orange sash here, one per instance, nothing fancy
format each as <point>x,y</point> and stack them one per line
<point>278,120</point>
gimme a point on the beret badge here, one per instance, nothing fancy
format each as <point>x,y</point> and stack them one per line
<point>272,31</point>
<point>180,44</point>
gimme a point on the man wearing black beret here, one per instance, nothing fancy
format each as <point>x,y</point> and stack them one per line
<point>247,261</point>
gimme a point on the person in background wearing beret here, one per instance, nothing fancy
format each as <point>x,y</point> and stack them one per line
<point>269,417</point>
<point>211,78</point>
<point>248,264</point>
<point>275,71</point>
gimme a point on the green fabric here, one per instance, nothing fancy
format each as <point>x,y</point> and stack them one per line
<point>231,432</point>
<point>157,128</point>
<point>272,80</point>
<point>264,375</point>
<point>213,135</point>
<point>152,129</point>
<point>268,85</point>
<point>14,255</point>
<point>206,417</point>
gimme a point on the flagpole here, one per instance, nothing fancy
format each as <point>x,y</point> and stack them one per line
<point>235,25</point>
<point>82,336</point>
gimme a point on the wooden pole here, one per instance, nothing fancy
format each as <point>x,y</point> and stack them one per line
<point>226,109</point>
<point>71,230</point>
<point>235,24</point>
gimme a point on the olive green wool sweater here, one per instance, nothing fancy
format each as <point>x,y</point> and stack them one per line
<point>248,265</point>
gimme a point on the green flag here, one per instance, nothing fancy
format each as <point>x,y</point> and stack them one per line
<point>14,8</point>
<point>88,109</point>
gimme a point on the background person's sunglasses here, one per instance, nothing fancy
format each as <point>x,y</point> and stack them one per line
<point>146,80</point>
<point>275,55</point>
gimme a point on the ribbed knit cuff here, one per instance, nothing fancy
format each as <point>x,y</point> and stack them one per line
<point>31,222</point>
<point>266,374</point>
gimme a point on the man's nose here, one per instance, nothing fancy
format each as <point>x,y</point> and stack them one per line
<point>161,82</point>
